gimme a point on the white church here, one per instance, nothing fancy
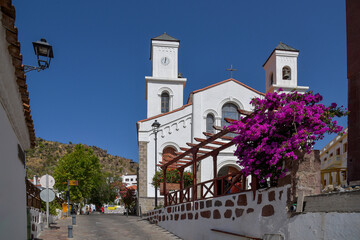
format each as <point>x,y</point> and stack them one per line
<point>180,123</point>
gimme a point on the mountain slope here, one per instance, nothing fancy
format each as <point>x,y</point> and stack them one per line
<point>43,159</point>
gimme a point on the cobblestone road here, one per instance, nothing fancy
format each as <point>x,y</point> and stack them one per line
<point>109,227</point>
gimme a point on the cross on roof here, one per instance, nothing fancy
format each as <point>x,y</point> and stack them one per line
<point>231,69</point>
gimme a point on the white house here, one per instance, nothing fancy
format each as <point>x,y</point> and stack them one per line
<point>129,180</point>
<point>16,129</point>
<point>181,123</point>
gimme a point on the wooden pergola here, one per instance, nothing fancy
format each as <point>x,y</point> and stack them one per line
<point>210,146</point>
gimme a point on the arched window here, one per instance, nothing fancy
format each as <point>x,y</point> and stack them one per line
<point>168,153</point>
<point>271,79</point>
<point>165,102</point>
<point>229,110</point>
<point>210,123</point>
<point>286,72</point>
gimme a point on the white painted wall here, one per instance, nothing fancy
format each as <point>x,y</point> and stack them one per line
<point>167,49</point>
<point>12,181</point>
<point>275,64</point>
<point>249,224</point>
<point>212,100</point>
<point>13,131</point>
<point>155,86</point>
<point>175,131</point>
<point>129,180</point>
<point>327,226</point>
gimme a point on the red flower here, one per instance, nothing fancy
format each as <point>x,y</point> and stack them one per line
<point>160,177</point>
<point>177,181</point>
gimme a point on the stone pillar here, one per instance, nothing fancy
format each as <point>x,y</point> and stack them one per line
<point>304,175</point>
<point>142,179</point>
<point>142,169</point>
<point>353,75</point>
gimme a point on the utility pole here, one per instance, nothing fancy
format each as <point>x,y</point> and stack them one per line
<point>68,198</point>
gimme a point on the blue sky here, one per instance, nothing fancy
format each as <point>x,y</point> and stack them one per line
<point>94,91</point>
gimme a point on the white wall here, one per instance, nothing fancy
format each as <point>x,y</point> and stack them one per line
<point>212,100</point>
<point>333,225</point>
<point>250,223</point>
<point>13,131</point>
<point>175,131</point>
<point>12,182</point>
<point>154,88</point>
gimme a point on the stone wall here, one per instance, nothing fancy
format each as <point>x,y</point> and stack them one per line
<point>142,169</point>
<point>304,175</point>
<point>148,203</point>
<point>240,213</point>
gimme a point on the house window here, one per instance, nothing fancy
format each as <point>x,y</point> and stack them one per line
<point>165,102</point>
<point>229,110</point>
<point>325,159</point>
<point>286,72</point>
<point>331,154</point>
<point>345,147</point>
<point>126,180</point>
<point>210,123</point>
<point>338,152</point>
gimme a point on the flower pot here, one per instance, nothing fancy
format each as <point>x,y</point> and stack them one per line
<point>169,186</point>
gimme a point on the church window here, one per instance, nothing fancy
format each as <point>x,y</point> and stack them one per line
<point>286,72</point>
<point>229,110</point>
<point>165,102</point>
<point>168,153</point>
<point>210,123</point>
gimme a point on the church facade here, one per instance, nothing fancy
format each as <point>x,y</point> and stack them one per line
<point>180,123</point>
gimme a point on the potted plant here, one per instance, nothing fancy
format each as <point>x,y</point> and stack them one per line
<point>172,179</point>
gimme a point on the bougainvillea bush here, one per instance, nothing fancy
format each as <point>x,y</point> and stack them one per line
<point>280,125</point>
<point>172,176</point>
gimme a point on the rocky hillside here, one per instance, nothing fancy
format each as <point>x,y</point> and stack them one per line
<point>43,158</point>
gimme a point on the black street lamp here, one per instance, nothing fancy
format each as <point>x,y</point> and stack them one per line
<point>44,53</point>
<point>155,126</point>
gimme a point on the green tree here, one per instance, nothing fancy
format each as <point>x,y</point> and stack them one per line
<point>81,165</point>
<point>104,193</point>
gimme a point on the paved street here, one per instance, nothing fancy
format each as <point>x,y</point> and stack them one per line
<point>106,227</point>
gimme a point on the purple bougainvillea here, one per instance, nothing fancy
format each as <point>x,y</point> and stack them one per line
<point>280,125</point>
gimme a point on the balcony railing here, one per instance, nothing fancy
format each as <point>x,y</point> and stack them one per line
<point>217,187</point>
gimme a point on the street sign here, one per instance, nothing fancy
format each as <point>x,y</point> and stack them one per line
<point>73,182</point>
<point>43,195</point>
<point>43,181</point>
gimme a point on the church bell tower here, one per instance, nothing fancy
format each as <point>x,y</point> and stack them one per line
<point>164,89</point>
<point>281,70</point>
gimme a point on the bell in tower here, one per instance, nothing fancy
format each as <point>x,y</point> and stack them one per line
<point>281,69</point>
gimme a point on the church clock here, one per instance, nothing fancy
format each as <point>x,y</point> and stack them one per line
<point>165,61</point>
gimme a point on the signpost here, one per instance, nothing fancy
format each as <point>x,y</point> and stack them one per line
<point>70,183</point>
<point>47,182</point>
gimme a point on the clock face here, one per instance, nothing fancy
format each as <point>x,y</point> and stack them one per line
<point>165,61</point>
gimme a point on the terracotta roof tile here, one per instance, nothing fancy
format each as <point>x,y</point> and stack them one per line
<point>8,19</point>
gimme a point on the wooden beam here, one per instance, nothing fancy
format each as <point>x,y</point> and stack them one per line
<point>199,151</point>
<point>223,137</point>
<point>219,134</point>
<point>207,147</point>
<point>213,142</point>
<point>229,144</point>
<point>230,120</point>
<point>244,112</point>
